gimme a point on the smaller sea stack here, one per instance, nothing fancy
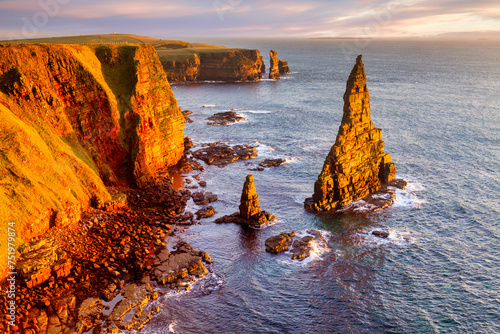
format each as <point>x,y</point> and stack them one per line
<point>278,66</point>
<point>356,165</point>
<point>250,213</point>
<point>249,203</point>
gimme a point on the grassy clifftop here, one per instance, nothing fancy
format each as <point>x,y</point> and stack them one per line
<point>181,60</point>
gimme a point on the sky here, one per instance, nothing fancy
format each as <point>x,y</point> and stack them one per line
<point>252,18</point>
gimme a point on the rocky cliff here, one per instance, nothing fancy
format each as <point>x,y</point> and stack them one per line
<point>217,65</point>
<point>73,120</point>
<point>356,165</point>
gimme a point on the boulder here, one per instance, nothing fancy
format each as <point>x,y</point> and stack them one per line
<point>279,243</point>
<point>205,212</point>
<point>300,248</point>
<point>381,234</point>
<point>356,165</point>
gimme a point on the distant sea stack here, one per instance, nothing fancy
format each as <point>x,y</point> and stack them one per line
<point>356,165</point>
<point>278,66</point>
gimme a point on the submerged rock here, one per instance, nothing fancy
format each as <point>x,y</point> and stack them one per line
<point>250,213</point>
<point>224,118</point>
<point>381,234</point>
<point>268,163</point>
<point>356,165</point>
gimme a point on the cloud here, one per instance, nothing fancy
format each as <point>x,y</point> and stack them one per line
<point>247,17</point>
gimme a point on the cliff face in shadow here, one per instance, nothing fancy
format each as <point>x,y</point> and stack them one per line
<point>75,119</point>
<point>217,65</point>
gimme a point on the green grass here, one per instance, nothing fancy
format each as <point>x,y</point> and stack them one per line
<point>100,39</point>
<point>188,53</point>
<point>168,50</point>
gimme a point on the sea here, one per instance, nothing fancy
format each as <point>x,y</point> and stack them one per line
<point>438,104</point>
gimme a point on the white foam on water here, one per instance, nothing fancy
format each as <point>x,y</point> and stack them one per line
<point>395,238</point>
<point>319,247</point>
<point>213,81</point>
<point>407,198</point>
<point>268,80</point>
<point>263,149</point>
<point>210,105</point>
<point>359,206</point>
<point>257,111</point>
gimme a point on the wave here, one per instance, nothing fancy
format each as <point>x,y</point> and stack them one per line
<point>396,238</point>
<point>251,111</point>
<point>263,149</point>
<point>209,105</point>
<point>319,247</point>
<point>360,206</point>
<point>407,198</point>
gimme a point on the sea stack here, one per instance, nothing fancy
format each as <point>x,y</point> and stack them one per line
<point>356,165</point>
<point>278,66</point>
<point>249,203</point>
<point>250,213</point>
<point>274,72</point>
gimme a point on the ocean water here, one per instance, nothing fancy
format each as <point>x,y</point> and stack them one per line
<point>438,104</point>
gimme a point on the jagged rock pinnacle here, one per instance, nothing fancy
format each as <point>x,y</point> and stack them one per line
<point>249,203</point>
<point>356,165</point>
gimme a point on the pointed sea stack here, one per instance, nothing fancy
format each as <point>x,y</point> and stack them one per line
<point>249,213</point>
<point>356,165</point>
<point>249,203</point>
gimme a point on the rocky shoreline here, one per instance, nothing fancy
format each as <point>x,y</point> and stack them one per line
<point>71,274</point>
<point>100,273</point>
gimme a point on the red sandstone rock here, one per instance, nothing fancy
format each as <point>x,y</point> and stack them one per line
<point>222,65</point>
<point>250,213</point>
<point>249,202</point>
<point>79,118</point>
<point>356,165</point>
<point>278,66</point>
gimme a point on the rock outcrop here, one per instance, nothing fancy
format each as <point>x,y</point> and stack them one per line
<point>300,247</point>
<point>250,213</point>
<point>220,154</point>
<point>225,118</point>
<point>356,165</point>
<point>74,119</point>
<point>278,66</point>
<point>216,65</point>
<point>283,67</point>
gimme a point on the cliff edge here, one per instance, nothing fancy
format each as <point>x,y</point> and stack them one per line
<point>73,120</point>
<point>356,165</point>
